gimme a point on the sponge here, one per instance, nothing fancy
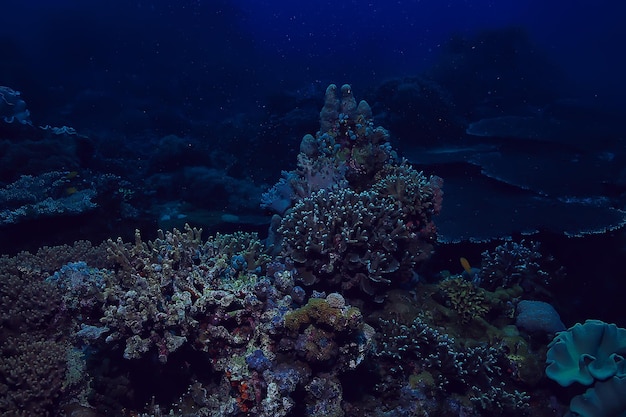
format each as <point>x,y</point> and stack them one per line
<point>538,317</point>
<point>606,398</point>
<point>585,353</point>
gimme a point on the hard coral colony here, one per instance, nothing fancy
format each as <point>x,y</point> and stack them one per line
<point>324,319</point>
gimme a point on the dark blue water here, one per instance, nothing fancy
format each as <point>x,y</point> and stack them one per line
<point>195,56</point>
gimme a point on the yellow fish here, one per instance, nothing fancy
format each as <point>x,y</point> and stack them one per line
<point>466,266</point>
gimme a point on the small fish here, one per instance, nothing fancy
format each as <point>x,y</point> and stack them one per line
<point>466,266</point>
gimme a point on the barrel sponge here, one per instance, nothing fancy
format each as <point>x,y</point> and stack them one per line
<point>538,317</point>
<point>585,353</point>
<point>606,398</point>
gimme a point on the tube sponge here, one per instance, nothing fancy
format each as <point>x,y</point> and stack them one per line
<point>586,353</point>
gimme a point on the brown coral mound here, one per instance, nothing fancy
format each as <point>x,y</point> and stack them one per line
<point>33,341</point>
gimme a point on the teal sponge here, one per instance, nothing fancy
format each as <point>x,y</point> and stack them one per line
<point>606,398</point>
<point>585,353</point>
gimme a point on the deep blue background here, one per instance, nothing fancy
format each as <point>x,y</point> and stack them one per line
<point>213,58</point>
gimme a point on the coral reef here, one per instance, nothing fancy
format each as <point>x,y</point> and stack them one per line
<point>57,194</point>
<point>514,263</point>
<point>49,194</point>
<point>178,325</point>
<point>360,218</point>
<point>218,300</point>
<point>437,364</point>
<point>165,285</point>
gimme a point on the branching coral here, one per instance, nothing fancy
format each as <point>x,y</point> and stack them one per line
<point>164,285</point>
<point>359,216</point>
<point>33,371</point>
<point>364,239</point>
<point>514,263</point>
<point>441,366</point>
